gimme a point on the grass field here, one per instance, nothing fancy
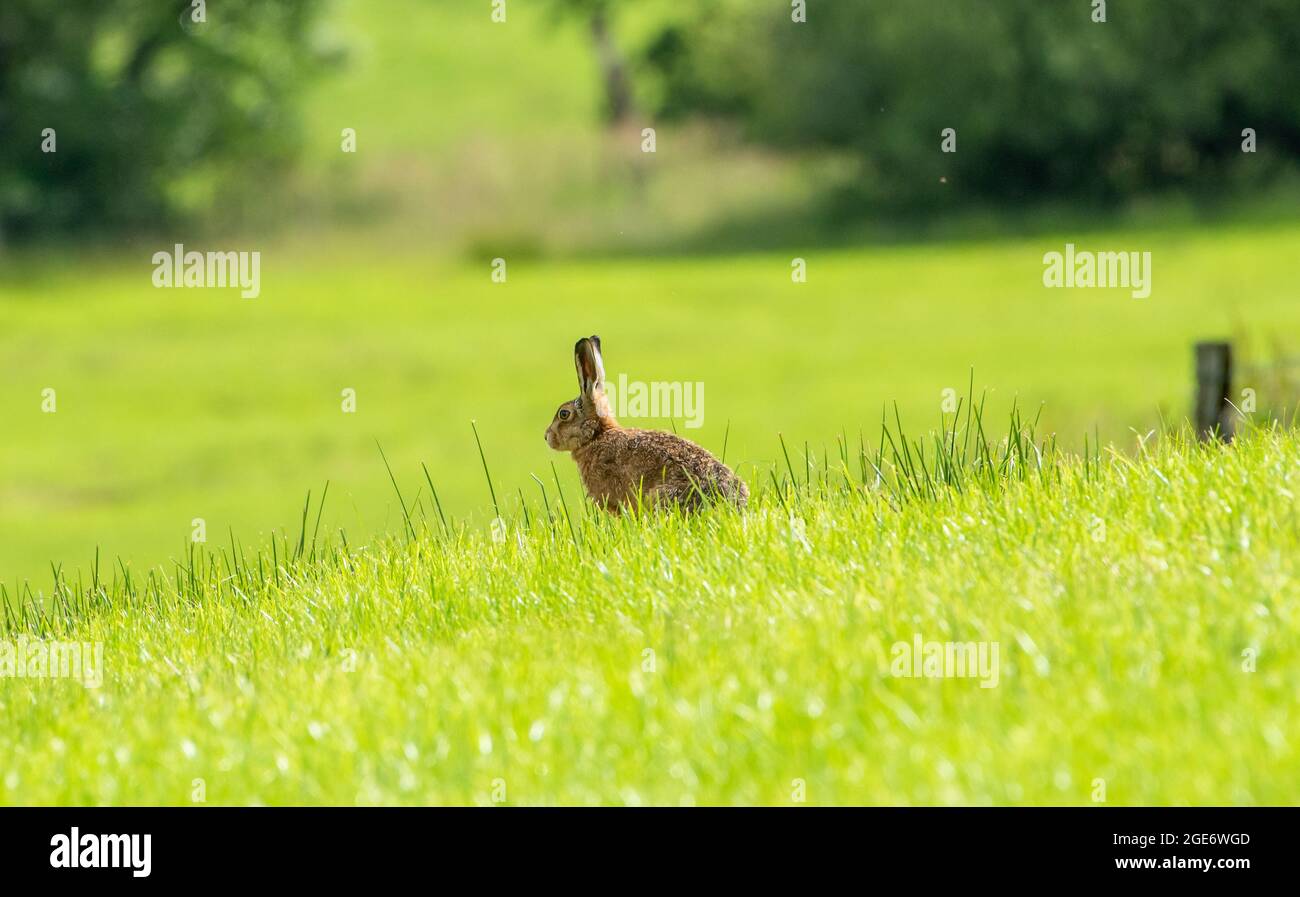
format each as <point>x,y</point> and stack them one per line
<point>1145,613</point>
<point>729,658</point>
<point>176,405</point>
<point>183,404</point>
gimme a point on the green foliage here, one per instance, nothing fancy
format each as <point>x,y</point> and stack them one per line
<point>1045,102</point>
<point>158,118</point>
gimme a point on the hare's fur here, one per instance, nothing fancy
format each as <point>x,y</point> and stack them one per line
<point>624,468</point>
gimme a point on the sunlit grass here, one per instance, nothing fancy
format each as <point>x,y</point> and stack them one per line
<point>721,658</point>
<point>184,404</point>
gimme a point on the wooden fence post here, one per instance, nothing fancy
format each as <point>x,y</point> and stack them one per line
<point>1214,415</point>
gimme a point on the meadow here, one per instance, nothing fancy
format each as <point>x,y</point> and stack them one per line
<point>176,405</point>
<point>159,446</point>
<point>1143,611</point>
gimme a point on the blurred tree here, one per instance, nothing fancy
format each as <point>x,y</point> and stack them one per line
<point>126,115</point>
<point>598,16</point>
<point>1044,101</point>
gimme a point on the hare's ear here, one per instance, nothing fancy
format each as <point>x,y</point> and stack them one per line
<point>591,368</point>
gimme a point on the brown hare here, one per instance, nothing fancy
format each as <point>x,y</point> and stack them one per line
<point>624,468</point>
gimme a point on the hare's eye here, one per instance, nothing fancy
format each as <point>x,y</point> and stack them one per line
<point>565,413</point>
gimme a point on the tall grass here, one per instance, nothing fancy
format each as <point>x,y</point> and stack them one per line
<point>959,457</point>
<point>719,657</point>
